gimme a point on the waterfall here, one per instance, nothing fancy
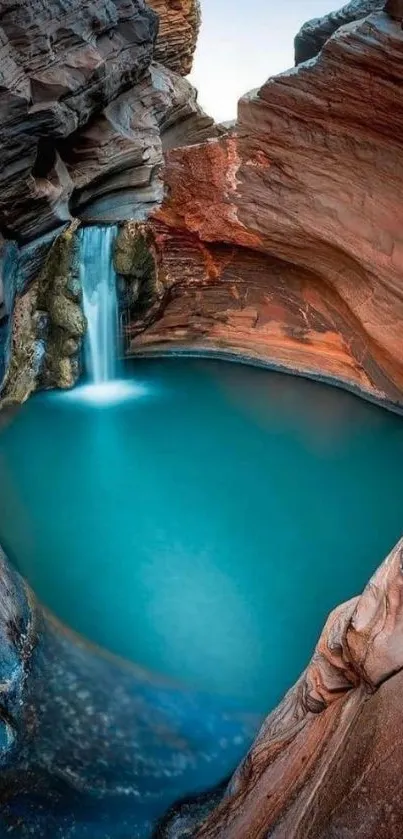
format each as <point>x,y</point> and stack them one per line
<point>98,279</point>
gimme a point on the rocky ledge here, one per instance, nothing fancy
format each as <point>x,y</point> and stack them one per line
<point>281,241</point>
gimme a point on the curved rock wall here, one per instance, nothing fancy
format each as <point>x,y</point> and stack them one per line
<point>309,181</point>
<point>327,761</point>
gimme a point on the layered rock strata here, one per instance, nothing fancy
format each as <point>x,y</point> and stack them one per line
<point>314,33</point>
<point>327,761</point>
<point>61,63</point>
<point>87,110</point>
<point>179,22</point>
<point>282,240</point>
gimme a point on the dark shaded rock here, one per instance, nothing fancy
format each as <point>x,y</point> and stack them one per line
<point>18,269</point>
<point>90,746</point>
<point>61,64</point>
<point>8,289</point>
<point>32,255</point>
<point>394,9</point>
<point>314,34</point>
<point>115,162</point>
<point>183,818</point>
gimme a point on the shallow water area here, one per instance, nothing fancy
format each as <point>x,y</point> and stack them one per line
<point>200,517</point>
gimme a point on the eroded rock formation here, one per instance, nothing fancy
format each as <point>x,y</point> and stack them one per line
<point>327,761</point>
<point>61,64</point>
<point>282,240</point>
<point>115,161</point>
<point>179,27</point>
<point>314,33</point>
<point>87,109</point>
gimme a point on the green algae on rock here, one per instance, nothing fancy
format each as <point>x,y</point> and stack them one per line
<point>59,297</point>
<point>141,286</point>
<point>47,325</point>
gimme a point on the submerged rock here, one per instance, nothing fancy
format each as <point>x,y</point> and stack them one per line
<point>90,746</point>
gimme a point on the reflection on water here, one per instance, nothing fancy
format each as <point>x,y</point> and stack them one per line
<point>323,416</point>
<point>205,529</point>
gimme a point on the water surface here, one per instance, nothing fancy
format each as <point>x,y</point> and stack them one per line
<point>204,526</point>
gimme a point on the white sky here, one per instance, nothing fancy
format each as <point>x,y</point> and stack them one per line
<point>242,43</point>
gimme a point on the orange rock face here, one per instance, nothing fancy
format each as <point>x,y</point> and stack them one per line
<point>283,240</point>
<point>178,31</point>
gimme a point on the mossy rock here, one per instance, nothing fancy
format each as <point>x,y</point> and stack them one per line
<point>134,261</point>
<point>132,256</point>
<point>65,313</point>
<point>60,297</point>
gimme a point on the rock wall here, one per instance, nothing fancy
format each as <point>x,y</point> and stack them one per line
<point>179,27</point>
<point>327,761</point>
<point>282,240</point>
<point>87,109</point>
<point>314,33</point>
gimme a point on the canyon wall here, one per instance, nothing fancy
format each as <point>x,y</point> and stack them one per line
<point>327,761</point>
<point>281,241</point>
<point>91,95</point>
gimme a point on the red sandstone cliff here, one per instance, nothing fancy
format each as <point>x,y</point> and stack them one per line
<point>282,241</point>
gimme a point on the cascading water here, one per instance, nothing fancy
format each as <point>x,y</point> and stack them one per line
<point>98,279</point>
